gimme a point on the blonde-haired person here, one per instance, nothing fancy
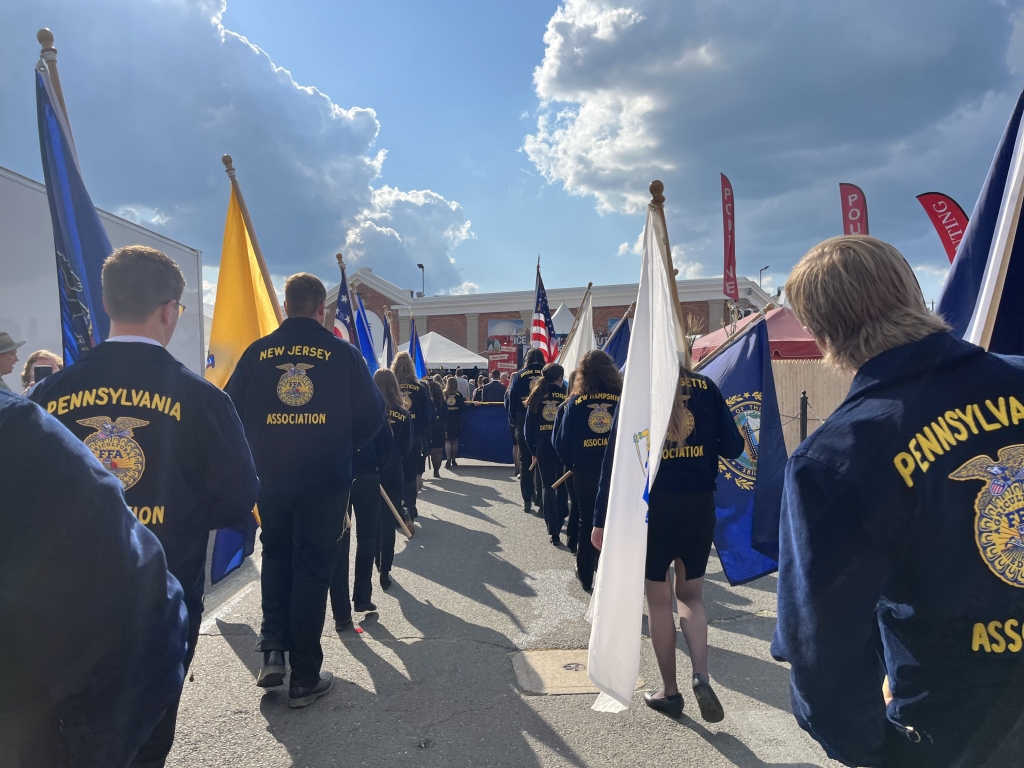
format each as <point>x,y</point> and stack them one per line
<point>899,522</point>
<point>416,399</point>
<point>41,358</point>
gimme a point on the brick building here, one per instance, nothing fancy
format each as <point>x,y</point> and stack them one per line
<point>469,319</point>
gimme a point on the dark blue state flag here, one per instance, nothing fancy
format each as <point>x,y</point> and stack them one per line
<point>388,346</point>
<point>983,292</point>
<point>618,344</point>
<point>79,239</point>
<point>749,496</point>
<point>416,351</point>
<point>364,336</point>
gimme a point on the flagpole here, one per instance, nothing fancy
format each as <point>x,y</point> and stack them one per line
<point>575,323</point>
<point>49,55</point>
<point>230,170</point>
<point>657,190</point>
<point>625,318</point>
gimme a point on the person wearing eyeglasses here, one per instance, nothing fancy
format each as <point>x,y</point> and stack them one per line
<point>173,439</point>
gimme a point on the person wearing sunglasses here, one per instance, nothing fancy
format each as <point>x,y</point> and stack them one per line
<point>171,438</point>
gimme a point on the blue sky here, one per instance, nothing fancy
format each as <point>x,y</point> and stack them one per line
<point>473,136</point>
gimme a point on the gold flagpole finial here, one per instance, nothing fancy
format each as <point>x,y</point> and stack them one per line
<point>657,193</point>
<point>229,169</point>
<point>341,260</point>
<point>48,55</point>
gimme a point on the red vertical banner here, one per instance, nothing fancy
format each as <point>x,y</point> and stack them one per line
<point>729,285</point>
<point>947,217</point>
<point>855,209</point>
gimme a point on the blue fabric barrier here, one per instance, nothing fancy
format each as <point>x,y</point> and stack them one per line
<point>485,434</point>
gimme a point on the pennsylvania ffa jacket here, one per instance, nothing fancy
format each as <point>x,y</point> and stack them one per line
<point>582,434</point>
<point>307,401</point>
<point>171,438</point>
<point>540,424</point>
<point>903,515</point>
<point>692,465</point>
<point>94,626</point>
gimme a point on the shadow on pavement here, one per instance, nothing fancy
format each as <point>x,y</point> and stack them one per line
<point>734,750</point>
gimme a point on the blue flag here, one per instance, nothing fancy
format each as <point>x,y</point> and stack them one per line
<point>618,344</point>
<point>79,239</point>
<point>344,325</point>
<point>964,296</point>
<point>749,495</point>
<point>416,351</point>
<point>388,349</point>
<point>364,336</point>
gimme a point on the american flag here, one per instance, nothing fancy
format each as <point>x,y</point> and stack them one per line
<point>344,324</point>
<point>542,331</point>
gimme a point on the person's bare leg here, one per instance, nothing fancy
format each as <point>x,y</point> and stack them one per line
<point>692,618</point>
<point>663,633</point>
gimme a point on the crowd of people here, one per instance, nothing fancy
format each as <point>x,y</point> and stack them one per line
<point>900,587</point>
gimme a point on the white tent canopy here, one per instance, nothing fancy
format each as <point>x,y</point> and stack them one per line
<point>440,352</point>
<point>562,319</point>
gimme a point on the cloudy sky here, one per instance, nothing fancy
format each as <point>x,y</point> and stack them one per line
<point>472,136</point>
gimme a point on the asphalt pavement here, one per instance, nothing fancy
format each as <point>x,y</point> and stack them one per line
<point>430,682</point>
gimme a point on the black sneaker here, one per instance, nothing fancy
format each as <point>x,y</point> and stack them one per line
<point>272,673</point>
<point>340,625</point>
<point>364,607</point>
<point>385,580</point>
<point>556,540</point>
<point>303,697</point>
<point>528,509</point>
<point>710,707</point>
<point>669,705</point>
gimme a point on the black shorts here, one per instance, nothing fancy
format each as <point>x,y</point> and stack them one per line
<point>437,436</point>
<point>453,428</point>
<point>679,525</point>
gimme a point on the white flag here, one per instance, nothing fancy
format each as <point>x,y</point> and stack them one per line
<point>582,339</point>
<point>652,378</point>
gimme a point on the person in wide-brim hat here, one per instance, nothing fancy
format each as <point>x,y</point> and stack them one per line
<point>8,356</point>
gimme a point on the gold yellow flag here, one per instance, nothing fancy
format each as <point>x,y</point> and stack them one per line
<point>243,310</point>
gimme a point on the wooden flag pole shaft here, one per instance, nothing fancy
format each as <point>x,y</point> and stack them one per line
<point>561,480</point>
<point>575,323</point>
<point>230,170</point>
<point>731,340</point>
<point>398,517</point>
<point>657,189</point>
<point>49,55</point>
<point>533,464</point>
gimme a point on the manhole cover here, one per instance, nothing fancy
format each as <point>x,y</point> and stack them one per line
<point>554,672</point>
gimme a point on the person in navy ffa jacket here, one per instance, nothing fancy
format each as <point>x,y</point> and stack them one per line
<point>171,438</point>
<point>680,528</point>
<point>581,439</point>
<point>366,502</point>
<point>416,400</point>
<point>547,395</point>
<point>454,404</point>
<point>392,478</point>
<point>901,535</point>
<point>95,627</point>
<point>515,399</point>
<point>308,404</point>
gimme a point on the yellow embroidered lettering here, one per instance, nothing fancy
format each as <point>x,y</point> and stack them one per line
<point>1016,410</point>
<point>929,444</point>
<point>961,431</point>
<point>76,401</point>
<point>979,639</point>
<point>943,434</point>
<point>176,411</point>
<point>998,643</point>
<point>62,405</point>
<point>158,515</point>
<point>101,396</point>
<point>981,420</point>
<point>968,418</point>
<point>1001,412</point>
<point>905,466</point>
<point>89,397</point>
<point>1008,627</point>
<point>917,455</point>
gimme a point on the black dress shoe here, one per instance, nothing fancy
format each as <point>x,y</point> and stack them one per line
<point>303,697</point>
<point>528,509</point>
<point>385,580</point>
<point>572,548</point>
<point>272,673</point>
<point>364,607</point>
<point>710,707</point>
<point>669,705</point>
<point>340,625</point>
<point>556,540</point>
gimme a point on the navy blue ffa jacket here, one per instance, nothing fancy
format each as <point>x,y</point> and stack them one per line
<point>400,424</point>
<point>903,516</point>
<point>375,455</point>
<point>170,437</point>
<point>582,434</point>
<point>417,402</point>
<point>518,390</point>
<point>94,625</point>
<point>307,401</point>
<point>540,424</point>
<point>454,405</point>
<point>690,467</point>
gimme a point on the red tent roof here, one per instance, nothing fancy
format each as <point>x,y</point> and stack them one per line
<point>788,340</point>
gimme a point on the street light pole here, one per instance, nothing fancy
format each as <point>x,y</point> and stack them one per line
<point>423,275</point>
<point>759,276</point>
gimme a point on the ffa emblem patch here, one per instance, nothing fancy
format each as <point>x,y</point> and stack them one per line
<point>450,400</point>
<point>406,402</point>
<point>599,420</point>
<point>746,411</point>
<point>999,511</point>
<point>688,423</point>
<point>112,444</point>
<point>550,410</point>
<point>295,388</point>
